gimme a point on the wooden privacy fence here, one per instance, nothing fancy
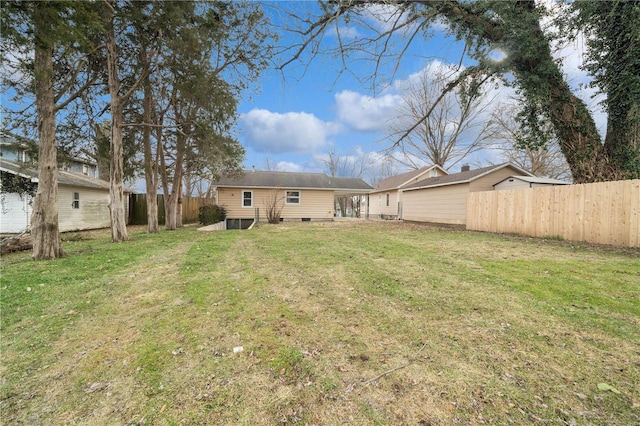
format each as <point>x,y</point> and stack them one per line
<point>138,209</point>
<point>604,213</point>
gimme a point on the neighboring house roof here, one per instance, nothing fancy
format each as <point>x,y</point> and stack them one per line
<point>261,179</point>
<point>398,181</point>
<point>462,177</point>
<point>64,177</point>
<point>535,179</point>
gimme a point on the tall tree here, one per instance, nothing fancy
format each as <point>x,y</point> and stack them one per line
<point>537,153</point>
<point>110,11</point>
<point>612,30</point>
<point>456,123</point>
<point>208,58</point>
<point>60,72</point>
<point>516,29</point>
<point>44,219</point>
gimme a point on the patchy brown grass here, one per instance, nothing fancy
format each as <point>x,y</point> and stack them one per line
<point>340,323</point>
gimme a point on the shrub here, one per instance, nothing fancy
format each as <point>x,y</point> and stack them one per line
<point>211,214</point>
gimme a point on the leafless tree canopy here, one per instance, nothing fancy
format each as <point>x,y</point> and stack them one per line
<point>546,160</point>
<point>441,129</point>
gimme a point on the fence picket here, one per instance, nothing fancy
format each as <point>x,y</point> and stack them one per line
<point>138,209</point>
<point>604,212</point>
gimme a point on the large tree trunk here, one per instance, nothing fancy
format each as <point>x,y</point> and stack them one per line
<point>541,79</point>
<point>116,172</point>
<point>102,157</point>
<point>622,142</point>
<point>164,178</point>
<point>172,201</point>
<point>150,175</point>
<point>44,219</point>
<point>578,136</point>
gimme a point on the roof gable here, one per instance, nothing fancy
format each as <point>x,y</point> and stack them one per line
<point>64,177</point>
<point>535,179</point>
<point>462,177</point>
<point>398,181</point>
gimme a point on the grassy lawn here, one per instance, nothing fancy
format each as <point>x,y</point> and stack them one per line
<point>340,323</point>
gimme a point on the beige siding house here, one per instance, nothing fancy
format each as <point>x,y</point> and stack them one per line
<point>83,202</point>
<point>300,196</point>
<point>443,199</point>
<point>386,198</point>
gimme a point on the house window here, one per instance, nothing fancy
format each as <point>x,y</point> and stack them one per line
<point>85,169</point>
<point>247,198</point>
<point>434,173</point>
<point>379,199</point>
<point>292,197</point>
<point>76,200</point>
<point>387,200</point>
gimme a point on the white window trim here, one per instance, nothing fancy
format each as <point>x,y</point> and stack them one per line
<point>75,200</point>
<point>286,197</point>
<point>379,199</point>
<point>242,198</point>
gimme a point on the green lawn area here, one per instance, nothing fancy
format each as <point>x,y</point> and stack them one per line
<point>340,323</point>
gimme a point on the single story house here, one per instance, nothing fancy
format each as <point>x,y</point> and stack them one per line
<point>385,199</point>
<point>443,199</point>
<point>300,196</point>
<point>517,182</point>
<point>83,201</point>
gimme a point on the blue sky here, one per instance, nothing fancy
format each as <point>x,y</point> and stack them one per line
<point>294,121</point>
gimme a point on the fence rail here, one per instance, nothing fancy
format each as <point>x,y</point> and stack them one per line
<point>138,209</point>
<point>604,213</point>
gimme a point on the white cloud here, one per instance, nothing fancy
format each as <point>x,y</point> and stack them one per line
<point>344,32</point>
<point>288,166</point>
<point>291,132</point>
<point>385,17</point>
<point>366,113</point>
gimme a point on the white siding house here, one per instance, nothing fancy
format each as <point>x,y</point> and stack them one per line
<point>83,202</point>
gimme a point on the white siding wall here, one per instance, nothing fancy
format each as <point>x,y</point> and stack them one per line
<point>444,204</point>
<point>511,184</point>
<point>92,214</point>
<point>314,204</point>
<point>15,214</point>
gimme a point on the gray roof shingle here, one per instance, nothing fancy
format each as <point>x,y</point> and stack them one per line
<point>64,177</point>
<point>395,182</point>
<point>534,179</point>
<point>262,179</point>
<point>461,177</point>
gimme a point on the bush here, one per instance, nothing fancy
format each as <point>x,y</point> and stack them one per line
<point>211,214</point>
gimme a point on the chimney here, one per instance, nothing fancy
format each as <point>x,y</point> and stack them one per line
<point>465,168</point>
